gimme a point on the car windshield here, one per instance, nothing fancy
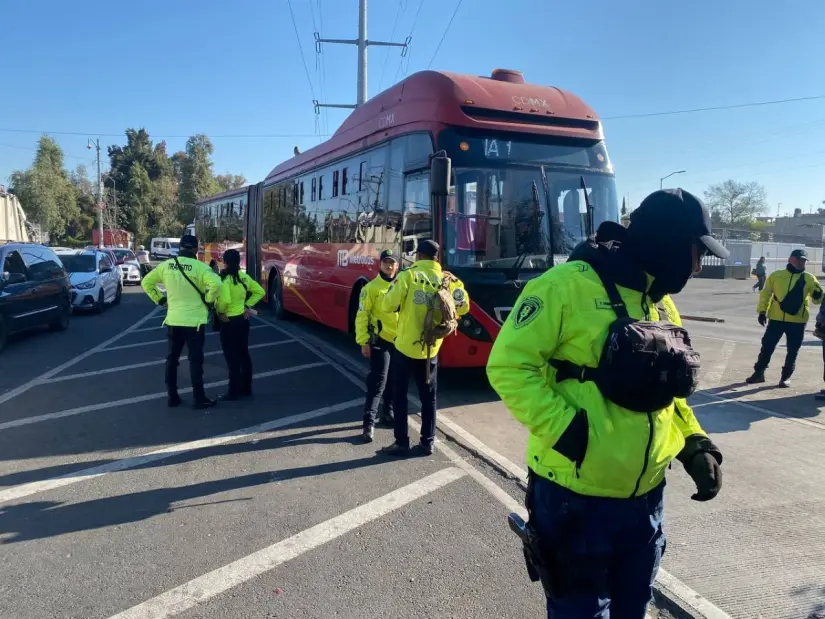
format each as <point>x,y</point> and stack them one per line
<point>79,263</point>
<point>124,254</point>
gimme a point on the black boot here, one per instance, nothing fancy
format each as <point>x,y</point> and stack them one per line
<point>173,400</point>
<point>756,377</point>
<point>201,401</point>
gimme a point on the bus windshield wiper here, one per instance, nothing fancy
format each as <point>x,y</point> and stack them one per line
<point>513,272</point>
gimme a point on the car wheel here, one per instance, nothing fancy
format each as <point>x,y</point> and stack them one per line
<point>276,296</point>
<point>61,323</point>
<point>101,302</point>
<point>4,334</point>
<point>118,294</point>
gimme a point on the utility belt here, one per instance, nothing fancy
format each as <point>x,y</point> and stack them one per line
<point>537,556</point>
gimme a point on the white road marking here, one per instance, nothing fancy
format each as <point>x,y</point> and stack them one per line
<point>716,371</point>
<point>670,584</point>
<point>134,366</point>
<point>206,587</point>
<point>757,342</point>
<point>141,398</point>
<point>13,393</point>
<point>25,490</point>
<point>163,341</point>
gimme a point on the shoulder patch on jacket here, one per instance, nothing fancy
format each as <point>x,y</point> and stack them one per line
<point>527,311</point>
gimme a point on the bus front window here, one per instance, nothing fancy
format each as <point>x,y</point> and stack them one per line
<point>496,216</point>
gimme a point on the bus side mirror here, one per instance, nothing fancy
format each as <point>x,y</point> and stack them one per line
<point>440,166</point>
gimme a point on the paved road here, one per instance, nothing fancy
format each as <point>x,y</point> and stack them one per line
<point>112,505</point>
<point>273,508</point>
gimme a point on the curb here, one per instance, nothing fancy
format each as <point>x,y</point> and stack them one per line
<point>702,318</point>
<point>669,593</point>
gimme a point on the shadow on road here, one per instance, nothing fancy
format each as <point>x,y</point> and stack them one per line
<point>43,519</point>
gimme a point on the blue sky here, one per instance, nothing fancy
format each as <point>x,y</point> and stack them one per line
<point>178,67</point>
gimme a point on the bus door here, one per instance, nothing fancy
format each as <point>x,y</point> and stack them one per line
<point>417,224</point>
<point>252,230</point>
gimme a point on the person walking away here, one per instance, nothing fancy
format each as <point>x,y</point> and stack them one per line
<point>415,294</point>
<point>599,445</point>
<point>783,307</point>
<point>190,287</point>
<point>239,295</point>
<point>761,271</point>
<point>143,260</point>
<point>374,333</point>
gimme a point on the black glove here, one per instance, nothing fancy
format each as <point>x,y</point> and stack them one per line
<point>817,294</point>
<point>702,461</point>
<point>763,319</point>
<point>162,301</point>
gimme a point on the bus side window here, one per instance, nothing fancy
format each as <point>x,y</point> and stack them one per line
<point>344,182</point>
<point>335,184</point>
<point>314,187</point>
<point>321,187</point>
<point>301,199</point>
<point>362,171</point>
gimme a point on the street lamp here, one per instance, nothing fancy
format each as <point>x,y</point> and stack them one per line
<point>662,180</point>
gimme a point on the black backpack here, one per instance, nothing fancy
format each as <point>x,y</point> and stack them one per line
<point>795,298</point>
<point>644,364</point>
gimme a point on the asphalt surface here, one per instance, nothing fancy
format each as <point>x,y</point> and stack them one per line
<point>113,505</point>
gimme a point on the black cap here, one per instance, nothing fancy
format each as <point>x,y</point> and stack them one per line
<point>678,210</point>
<point>388,254</point>
<point>799,254</point>
<point>188,241</point>
<point>428,248</point>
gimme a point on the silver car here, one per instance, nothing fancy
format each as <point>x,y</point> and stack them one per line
<point>95,280</point>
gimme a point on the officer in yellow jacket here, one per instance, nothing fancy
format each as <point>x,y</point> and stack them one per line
<point>783,307</point>
<point>597,469</point>
<point>239,294</point>
<point>409,295</point>
<point>374,333</point>
<point>190,286</point>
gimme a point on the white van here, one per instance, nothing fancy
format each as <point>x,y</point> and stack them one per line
<point>163,248</point>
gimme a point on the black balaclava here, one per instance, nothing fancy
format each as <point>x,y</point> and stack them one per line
<point>664,254</point>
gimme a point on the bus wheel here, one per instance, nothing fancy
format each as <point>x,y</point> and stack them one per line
<point>276,295</point>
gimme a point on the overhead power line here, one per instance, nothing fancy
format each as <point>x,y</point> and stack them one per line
<point>444,36</point>
<point>713,108</point>
<point>409,40</point>
<point>163,137</point>
<point>301,48</point>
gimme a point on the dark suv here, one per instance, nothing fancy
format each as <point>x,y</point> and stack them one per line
<point>34,289</point>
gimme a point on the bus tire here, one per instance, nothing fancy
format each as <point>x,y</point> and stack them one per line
<point>276,295</point>
<point>353,305</point>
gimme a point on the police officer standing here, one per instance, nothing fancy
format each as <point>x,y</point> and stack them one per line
<point>597,468</point>
<point>410,295</point>
<point>190,287</point>
<point>783,307</point>
<point>374,333</point>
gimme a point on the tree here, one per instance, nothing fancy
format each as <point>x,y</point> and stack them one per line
<point>45,189</point>
<point>230,181</point>
<point>733,203</point>
<point>198,180</point>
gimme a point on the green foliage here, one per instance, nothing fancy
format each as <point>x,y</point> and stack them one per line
<point>735,204</point>
<point>154,193</point>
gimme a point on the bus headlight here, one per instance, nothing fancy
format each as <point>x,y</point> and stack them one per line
<point>473,329</point>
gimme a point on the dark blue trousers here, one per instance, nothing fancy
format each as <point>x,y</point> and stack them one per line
<point>404,368</point>
<point>604,552</point>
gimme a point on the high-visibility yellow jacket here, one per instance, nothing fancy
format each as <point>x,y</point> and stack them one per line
<point>778,285</point>
<point>371,313</point>
<point>185,308</point>
<point>409,294</point>
<point>234,298</point>
<point>565,314</point>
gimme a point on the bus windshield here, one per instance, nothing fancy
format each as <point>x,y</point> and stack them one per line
<point>521,204</point>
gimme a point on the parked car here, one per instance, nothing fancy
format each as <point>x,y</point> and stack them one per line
<point>128,264</point>
<point>94,277</point>
<point>34,289</point>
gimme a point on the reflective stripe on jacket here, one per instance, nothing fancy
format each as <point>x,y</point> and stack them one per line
<point>565,314</point>
<point>778,285</point>
<point>185,308</point>
<point>409,294</point>
<point>232,299</point>
<point>371,312</point>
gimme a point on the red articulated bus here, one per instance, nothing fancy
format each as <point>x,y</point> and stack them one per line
<point>522,157</point>
<point>220,224</point>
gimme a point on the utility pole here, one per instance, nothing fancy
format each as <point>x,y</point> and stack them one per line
<point>96,145</point>
<point>362,42</point>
